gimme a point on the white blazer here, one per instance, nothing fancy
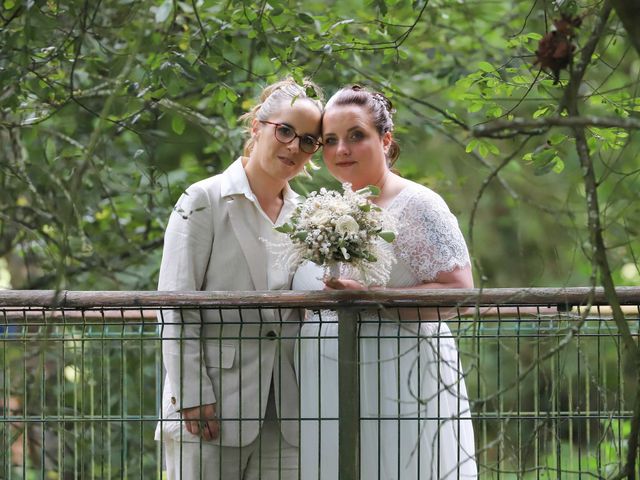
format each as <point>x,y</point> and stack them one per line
<point>212,244</point>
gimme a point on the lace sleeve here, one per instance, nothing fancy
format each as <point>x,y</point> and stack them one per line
<point>429,240</point>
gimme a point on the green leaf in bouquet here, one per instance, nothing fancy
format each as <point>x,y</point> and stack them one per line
<point>387,236</point>
<point>284,228</point>
<point>370,258</point>
<point>375,191</point>
<point>302,236</point>
<point>365,208</point>
<point>369,190</point>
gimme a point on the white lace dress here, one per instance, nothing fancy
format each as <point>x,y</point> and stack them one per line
<point>413,401</point>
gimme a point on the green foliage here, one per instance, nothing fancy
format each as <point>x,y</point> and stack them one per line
<point>70,375</point>
<point>108,112</point>
<point>522,364</point>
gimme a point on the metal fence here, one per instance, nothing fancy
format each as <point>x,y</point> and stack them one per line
<point>548,390</point>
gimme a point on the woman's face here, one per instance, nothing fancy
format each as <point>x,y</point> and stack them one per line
<point>283,161</point>
<point>353,150</point>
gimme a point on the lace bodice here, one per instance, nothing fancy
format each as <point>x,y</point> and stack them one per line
<point>429,241</point>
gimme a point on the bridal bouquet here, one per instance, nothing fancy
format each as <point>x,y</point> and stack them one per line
<point>333,229</point>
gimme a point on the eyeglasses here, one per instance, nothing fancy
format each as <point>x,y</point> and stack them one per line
<point>286,134</point>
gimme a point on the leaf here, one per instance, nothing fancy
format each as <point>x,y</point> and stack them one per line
<point>475,107</point>
<point>51,150</point>
<point>471,145</point>
<point>387,236</point>
<point>546,160</point>
<point>483,150</point>
<point>374,190</point>
<point>369,190</point>
<point>311,92</point>
<point>493,148</point>
<point>486,67</point>
<point>231,95</point>
<point>163,11</point>
<point>285,228</point>
<point>306,18</point>
<point>494,112</point>
<point>541,111</point>
<point>559,165</point>
<point>544,169</point>
<point>544,156</point>
<point>557,139</point>
<point>186,67</point>
<point>178,124</point>
<point>209,87</point>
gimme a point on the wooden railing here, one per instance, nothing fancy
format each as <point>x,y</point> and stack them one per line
<point>34,315</point>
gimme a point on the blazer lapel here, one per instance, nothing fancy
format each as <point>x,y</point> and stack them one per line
<point>249,243</point>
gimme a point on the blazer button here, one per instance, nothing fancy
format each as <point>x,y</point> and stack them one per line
<point>271,335</point>
<point>173,400</point>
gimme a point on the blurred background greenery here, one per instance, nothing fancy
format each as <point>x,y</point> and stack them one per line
<point>108,110</point>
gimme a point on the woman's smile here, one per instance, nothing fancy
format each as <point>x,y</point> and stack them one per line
<point>287,161</point>
<point>345,163</point>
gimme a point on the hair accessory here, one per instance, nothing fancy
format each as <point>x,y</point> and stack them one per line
<point>384,101</point>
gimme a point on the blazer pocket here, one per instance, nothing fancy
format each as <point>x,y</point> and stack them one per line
<point>220,356</point>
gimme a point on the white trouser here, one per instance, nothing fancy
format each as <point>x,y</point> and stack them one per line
<point>268,457</point>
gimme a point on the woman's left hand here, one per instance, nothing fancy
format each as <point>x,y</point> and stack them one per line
<point>343,284</point>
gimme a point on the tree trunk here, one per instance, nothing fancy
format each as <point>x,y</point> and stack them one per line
<point>628,12</point>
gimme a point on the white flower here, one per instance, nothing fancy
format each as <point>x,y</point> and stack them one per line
<point>341,208</point>
<point>346,224</point>
<point>320,217</point>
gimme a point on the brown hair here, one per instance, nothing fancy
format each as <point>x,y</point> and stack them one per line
<point>272,96</point>
<point>379,106</point>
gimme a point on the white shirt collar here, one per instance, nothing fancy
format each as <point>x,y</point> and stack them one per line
<point>237,183</point>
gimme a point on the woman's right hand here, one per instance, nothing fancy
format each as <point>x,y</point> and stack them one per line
<point>342,284</point>
<point>201,420</point>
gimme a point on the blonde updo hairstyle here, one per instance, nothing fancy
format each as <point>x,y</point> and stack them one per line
<point>379,107</point>
<point>271,100</point>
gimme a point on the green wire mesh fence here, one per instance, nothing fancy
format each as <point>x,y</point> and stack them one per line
<point>549,389</point>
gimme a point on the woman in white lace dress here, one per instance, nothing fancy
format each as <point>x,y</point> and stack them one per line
<point>413,401</point>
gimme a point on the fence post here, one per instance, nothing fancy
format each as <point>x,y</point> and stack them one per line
<point>348,396</point>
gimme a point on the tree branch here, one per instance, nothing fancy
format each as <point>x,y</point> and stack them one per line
<point>510,128</point>
<point>571,93</point>
<point>629,15</point>
<point>598,247</point>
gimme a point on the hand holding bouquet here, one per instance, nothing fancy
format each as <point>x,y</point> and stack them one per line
<point>333,229</point>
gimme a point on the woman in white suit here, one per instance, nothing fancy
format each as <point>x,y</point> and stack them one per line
<point>223,396</point>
